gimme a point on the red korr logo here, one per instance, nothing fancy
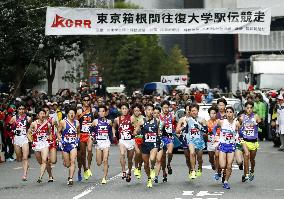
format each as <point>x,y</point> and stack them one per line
<point>69,23</point>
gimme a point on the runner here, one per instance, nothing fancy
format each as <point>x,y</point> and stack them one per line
<point>161,155</point>
<point>181,130</point>
<point>227,143</point>
<point>102,129</point>
<point>196,128</point>
<point>39,132</point>
<point>68,136</point>
<point>85,117</point>
<point>21,123</point>
<point>211,123</point>
<point>126,141</point>
<point>168,122</point>
<point>249,133</point>
<point>221,103</point>
<point>149,127</point>
<point>52,159</point>
<point>135,118</point>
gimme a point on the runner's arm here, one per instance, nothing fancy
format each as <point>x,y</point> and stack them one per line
<point>30,132</point>
<point>60,128</point>
<point>78,128</point>
<point>49,131</point>
<point>180,126</point>
<point>138,127</point>
<point>114,125</point>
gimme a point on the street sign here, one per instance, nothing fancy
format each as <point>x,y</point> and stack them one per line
<point>174,80</point>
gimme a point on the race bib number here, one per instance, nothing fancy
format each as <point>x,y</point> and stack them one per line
<point>150,137</point>
<point>249,131</point>
<point>85,128</point>
<point>102,136</point>
<point>229,138</point>
<point>20,131</point>
<point>125,135</point>
<point>211,138</point>
<point>169,129</point>
<point>41,137</point>
<point>70,139</point>
<point>195,134</point>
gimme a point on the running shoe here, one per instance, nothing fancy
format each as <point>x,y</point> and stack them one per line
<point>79,176</point>
<point>104,181</point>
<point>86,175</point>
<point>136,172</point>
<point>128,177</point>
<point>223,177</point>
<point>70,182</point>
<point>152,174</point>
<point>251,176</point>
<point>89,173</point>
<point>226,185</point>
<point>156,180</point>
<point>170,171</point>
<point>241,166</point>
<point>199,173</point>
<point>50,179</point>
<point>245,178</point>
<point>192,175</point>
<point>139,174</point>
<point>24,178</point>
<point>216,176</point>
<point>123,175</point>
<point>39,180</point>
<point>165,179</point>
<point>149,183</point>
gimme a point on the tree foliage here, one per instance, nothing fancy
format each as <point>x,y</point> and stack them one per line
<point>22,33</point>
<point>133,59</point>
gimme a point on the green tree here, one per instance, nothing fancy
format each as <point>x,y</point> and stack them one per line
<point>21,35</point>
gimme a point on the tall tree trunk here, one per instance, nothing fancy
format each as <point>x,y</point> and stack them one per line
<point>50,73</point>
<point>20,68</point>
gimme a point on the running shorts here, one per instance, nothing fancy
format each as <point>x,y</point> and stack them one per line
<point>129,144</point>
<point>147,147</point>
<point>21,140</point>
<point>102,144</point>
<point>227,148</point>
<point>84,137</point>
<point>252,146</point>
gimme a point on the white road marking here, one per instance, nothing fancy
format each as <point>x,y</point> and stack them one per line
<point>187,193</point>
<point>206,193</point>
<point>17,168</point>
<point>89,190</point>
<point>278,189</point>
<point>234,167</point>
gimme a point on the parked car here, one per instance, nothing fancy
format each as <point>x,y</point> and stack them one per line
<point>156,88</point>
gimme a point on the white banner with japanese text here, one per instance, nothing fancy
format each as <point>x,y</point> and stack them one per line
<point>96,21</point>
<point>174,80</point>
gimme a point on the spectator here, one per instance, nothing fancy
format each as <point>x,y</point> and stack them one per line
<point>260,109</point>
<point>280,120</point>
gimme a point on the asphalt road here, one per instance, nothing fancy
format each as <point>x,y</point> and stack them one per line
<point>268,183</point>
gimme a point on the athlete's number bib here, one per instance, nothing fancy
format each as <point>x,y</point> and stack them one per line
<point>125,135</point>
<point>85,128</point>
<point>249,131</point>
<point>169,129</point>
<point>150,137</point>
<point>41,137</point>
<point>211,138</point>
<point>20,131</point>
<point>229,138</point>
<point>195,134</point>
<point>70,138</point>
